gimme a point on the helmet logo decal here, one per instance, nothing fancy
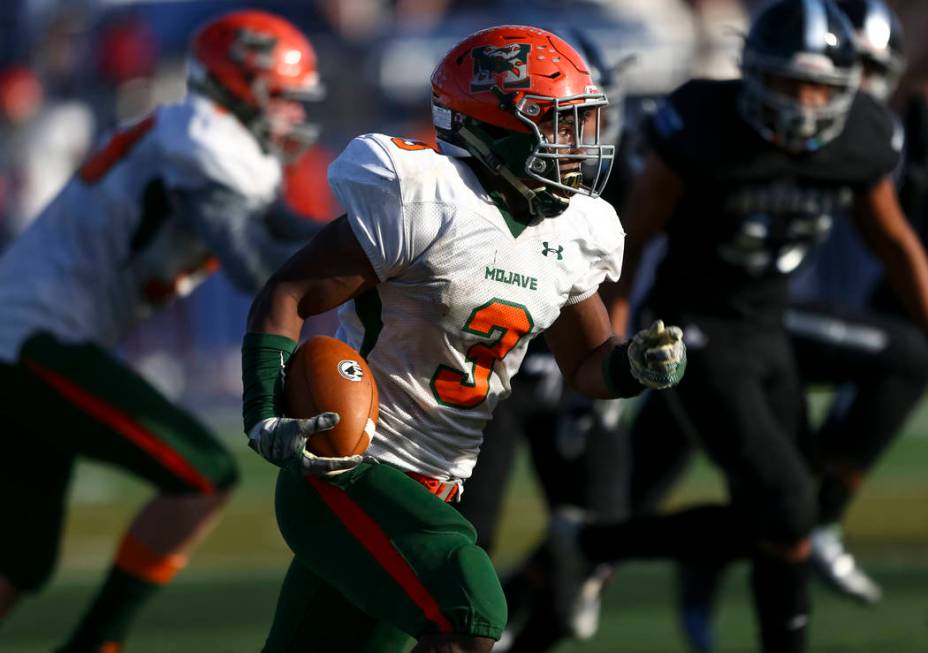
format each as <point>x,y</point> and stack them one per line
<point>253,49</point>
<point>505,66</point>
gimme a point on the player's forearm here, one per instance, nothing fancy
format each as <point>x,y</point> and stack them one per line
<point>606,373</point>
<point>273,330</point>
<point>239,235</point>
<point>275,310</point>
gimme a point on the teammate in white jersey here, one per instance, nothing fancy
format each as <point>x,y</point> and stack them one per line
<point>164,202</point>
<point>447,263</point>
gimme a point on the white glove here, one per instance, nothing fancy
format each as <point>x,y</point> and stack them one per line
<point>658,356</point>
<point>282,441</point>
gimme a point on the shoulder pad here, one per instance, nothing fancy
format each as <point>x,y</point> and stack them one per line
<point>202,145</point>
<point>600,219</point>
<point>364,160</point>
<point>413,170</point>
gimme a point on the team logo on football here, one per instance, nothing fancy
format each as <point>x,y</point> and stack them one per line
<point>350,370</point>
<point>505,66</point>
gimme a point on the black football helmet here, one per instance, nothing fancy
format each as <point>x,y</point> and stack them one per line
<point>807,40</point>
<point>878,36</point>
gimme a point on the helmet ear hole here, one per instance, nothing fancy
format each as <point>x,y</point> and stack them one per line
<point>537,165</point>
<point>494,132</point>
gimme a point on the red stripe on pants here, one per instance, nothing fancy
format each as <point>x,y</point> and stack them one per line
<point>124,425</point>
<point>378,544</point>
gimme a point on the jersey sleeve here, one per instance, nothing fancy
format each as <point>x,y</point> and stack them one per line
<point>365,181</point>
<point>201,148</point>
<point>605,248</point>
<point>249,244</point>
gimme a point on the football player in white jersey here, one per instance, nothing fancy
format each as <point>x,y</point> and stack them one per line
<point>164,202</point>
<point>446,265</point>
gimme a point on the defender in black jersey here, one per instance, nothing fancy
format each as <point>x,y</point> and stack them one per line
<point>874,356</point>
<point>745,178</point>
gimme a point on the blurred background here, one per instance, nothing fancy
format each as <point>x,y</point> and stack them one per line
<point>70,70</point>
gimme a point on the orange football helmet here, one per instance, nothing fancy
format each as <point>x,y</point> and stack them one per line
<point>21,94</point>
<point>263,69</point>
<point>522,101</point>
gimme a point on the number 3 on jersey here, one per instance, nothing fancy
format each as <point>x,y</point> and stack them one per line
<point>503,321</point>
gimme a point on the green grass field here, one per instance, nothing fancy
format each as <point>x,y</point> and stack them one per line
<point>224,601</point>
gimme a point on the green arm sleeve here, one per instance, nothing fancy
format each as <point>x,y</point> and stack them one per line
<point>618,375</point>
<point>264,358</point>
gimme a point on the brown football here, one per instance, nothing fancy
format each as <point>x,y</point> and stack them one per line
<point>325,374</point>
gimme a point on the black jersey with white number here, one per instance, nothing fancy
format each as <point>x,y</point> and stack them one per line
<point>750,210</point>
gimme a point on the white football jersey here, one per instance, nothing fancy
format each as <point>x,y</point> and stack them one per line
<point>460,295</point>
<point>96,260</point>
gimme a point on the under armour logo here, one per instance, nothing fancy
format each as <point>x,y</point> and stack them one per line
<point>559,250</point>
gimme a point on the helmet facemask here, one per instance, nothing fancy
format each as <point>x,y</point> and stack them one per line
<point>280,124</point>
<point>559,156</point>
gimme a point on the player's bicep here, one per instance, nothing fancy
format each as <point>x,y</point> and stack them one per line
<point>328,271</point>
<point>331,269</point>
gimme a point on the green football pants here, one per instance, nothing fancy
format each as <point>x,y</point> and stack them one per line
<point>378,558</point>
<point>61,401</point>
